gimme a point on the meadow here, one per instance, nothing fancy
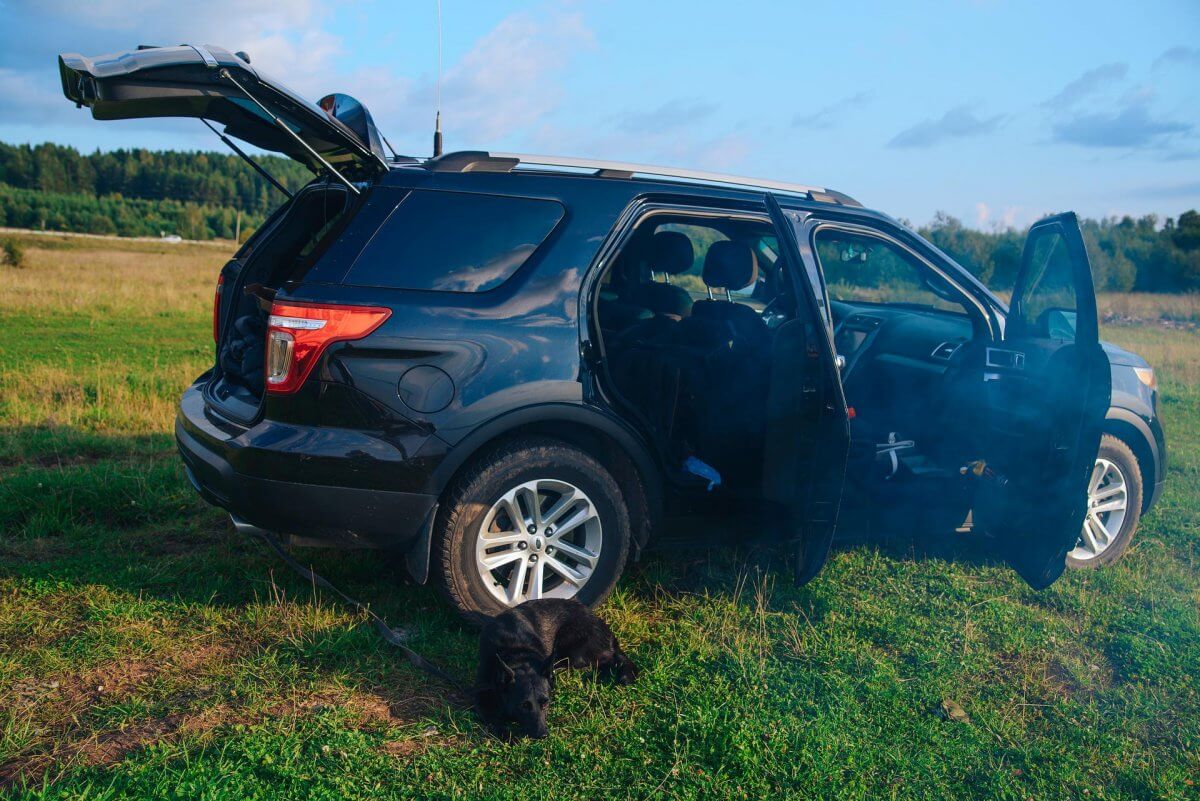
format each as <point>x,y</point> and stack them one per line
<point>146,650</point>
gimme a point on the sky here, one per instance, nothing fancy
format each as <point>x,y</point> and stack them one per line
<point>995,112</point>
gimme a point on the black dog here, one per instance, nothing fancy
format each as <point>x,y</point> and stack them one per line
<point>519,650</point>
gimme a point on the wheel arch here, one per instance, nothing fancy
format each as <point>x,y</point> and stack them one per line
<point>1131,429</point>
<point>617,447</point>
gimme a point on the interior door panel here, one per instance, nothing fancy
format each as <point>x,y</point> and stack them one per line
<point>1043,393</point>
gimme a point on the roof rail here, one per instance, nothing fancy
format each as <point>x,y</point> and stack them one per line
<point>485,161</point>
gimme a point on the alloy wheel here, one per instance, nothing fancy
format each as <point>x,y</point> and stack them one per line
<point>1108,503</point>
<point>540,539</point>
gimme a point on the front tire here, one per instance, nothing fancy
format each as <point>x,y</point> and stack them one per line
<point>1114,506</point>
<point>535,518</point>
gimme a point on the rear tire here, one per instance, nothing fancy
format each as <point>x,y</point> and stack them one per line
<point>1116,466</point>
<point>544,482</point>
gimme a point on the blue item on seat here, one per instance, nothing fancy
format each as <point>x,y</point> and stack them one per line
<point>704,471</point>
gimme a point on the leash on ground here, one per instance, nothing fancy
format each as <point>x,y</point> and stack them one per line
<point>387,632</point>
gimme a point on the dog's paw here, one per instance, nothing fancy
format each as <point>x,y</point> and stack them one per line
<point>627,674</point>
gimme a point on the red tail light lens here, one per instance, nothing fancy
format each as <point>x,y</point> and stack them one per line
<point>297,335</point>
<point>217,307</point>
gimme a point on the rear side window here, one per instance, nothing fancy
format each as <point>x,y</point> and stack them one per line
<point>454,241</point>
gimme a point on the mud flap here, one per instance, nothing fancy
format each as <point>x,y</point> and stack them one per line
<point>812,551</point>
<point>418,555</point>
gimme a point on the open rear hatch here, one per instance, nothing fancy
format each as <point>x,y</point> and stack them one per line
<point>210,83</point>
<point>335,138</point>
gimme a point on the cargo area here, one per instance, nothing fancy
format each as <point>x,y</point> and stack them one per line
<point>279,253</point>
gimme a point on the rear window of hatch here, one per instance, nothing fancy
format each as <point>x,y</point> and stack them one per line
<point>453,241</point>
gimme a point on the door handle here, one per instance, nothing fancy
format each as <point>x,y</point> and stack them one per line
<point>1005,359</point>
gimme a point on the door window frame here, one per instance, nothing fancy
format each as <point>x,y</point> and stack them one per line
<point>634,215</point>
<point>984,319</point>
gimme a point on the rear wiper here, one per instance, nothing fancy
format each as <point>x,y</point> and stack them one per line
<point>258,167</point>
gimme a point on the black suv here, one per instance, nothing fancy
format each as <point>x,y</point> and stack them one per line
<point>520,370</point>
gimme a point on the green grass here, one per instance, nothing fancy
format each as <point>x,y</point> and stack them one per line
<point>148,651</point>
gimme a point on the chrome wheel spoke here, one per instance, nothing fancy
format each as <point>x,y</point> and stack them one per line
<point>568,573</point>
<point>577,518</point>
<point>516,518</point>
<point>1107,492</point>
<point>1100,530</point>
<point>535,583</point>
<point>560,506</point>
<point>527,501</point>
<point>516,583</point>
<point>501,538</point>
<point>581,555</point>
<point>1089,537</point>
<point>492,561</point>
<point>1114,505</point>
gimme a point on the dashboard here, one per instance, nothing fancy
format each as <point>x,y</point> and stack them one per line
<point>916,336</point>
<point>896,357</point>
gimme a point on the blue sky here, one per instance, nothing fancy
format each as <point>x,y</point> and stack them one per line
<point>996,112</point>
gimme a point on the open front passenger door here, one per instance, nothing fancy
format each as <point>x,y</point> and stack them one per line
<point>1043,393</point>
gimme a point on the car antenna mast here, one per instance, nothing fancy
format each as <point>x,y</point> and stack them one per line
<point>286,129</point>
<point>437,120</point>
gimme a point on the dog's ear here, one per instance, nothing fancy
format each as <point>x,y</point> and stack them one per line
<point>507,675</point>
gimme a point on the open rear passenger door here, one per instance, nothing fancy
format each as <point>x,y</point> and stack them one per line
<point>807,433</point>
<point>1044,391</point>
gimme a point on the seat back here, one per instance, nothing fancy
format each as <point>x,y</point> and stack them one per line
<point>670,253</point>
<point>728,265</point>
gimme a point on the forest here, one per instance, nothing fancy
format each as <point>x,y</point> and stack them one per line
<point>138,192</point>
<point>199,195</point>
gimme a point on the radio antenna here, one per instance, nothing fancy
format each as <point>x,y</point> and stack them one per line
<point>437,120</point>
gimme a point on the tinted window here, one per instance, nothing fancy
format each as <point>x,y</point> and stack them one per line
<point>454,241</point>
<point>1049,306</point>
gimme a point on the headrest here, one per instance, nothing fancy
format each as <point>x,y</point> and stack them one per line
<point>671,252</point>
<point>730,265</point>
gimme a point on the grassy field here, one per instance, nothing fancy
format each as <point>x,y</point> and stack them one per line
<point>146,650</point>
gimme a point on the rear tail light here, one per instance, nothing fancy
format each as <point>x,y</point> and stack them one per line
<point>297,335</point>
<point>217,307</point>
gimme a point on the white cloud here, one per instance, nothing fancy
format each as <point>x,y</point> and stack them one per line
<point>982,213</point>
<point>506,82</point>
<point>504,86</point>
<point>987,219</point>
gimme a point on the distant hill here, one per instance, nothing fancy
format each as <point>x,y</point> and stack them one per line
<point>198,196</point>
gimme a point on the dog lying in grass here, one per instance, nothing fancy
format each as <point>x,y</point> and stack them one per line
<point>519,650</point>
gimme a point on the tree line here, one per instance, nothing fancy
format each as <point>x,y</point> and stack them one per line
<point>138,192</point>
<point>198,195</point>
<point>1146,254</point>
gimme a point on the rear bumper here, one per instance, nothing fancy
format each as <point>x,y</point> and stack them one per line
<point>214,453</point>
